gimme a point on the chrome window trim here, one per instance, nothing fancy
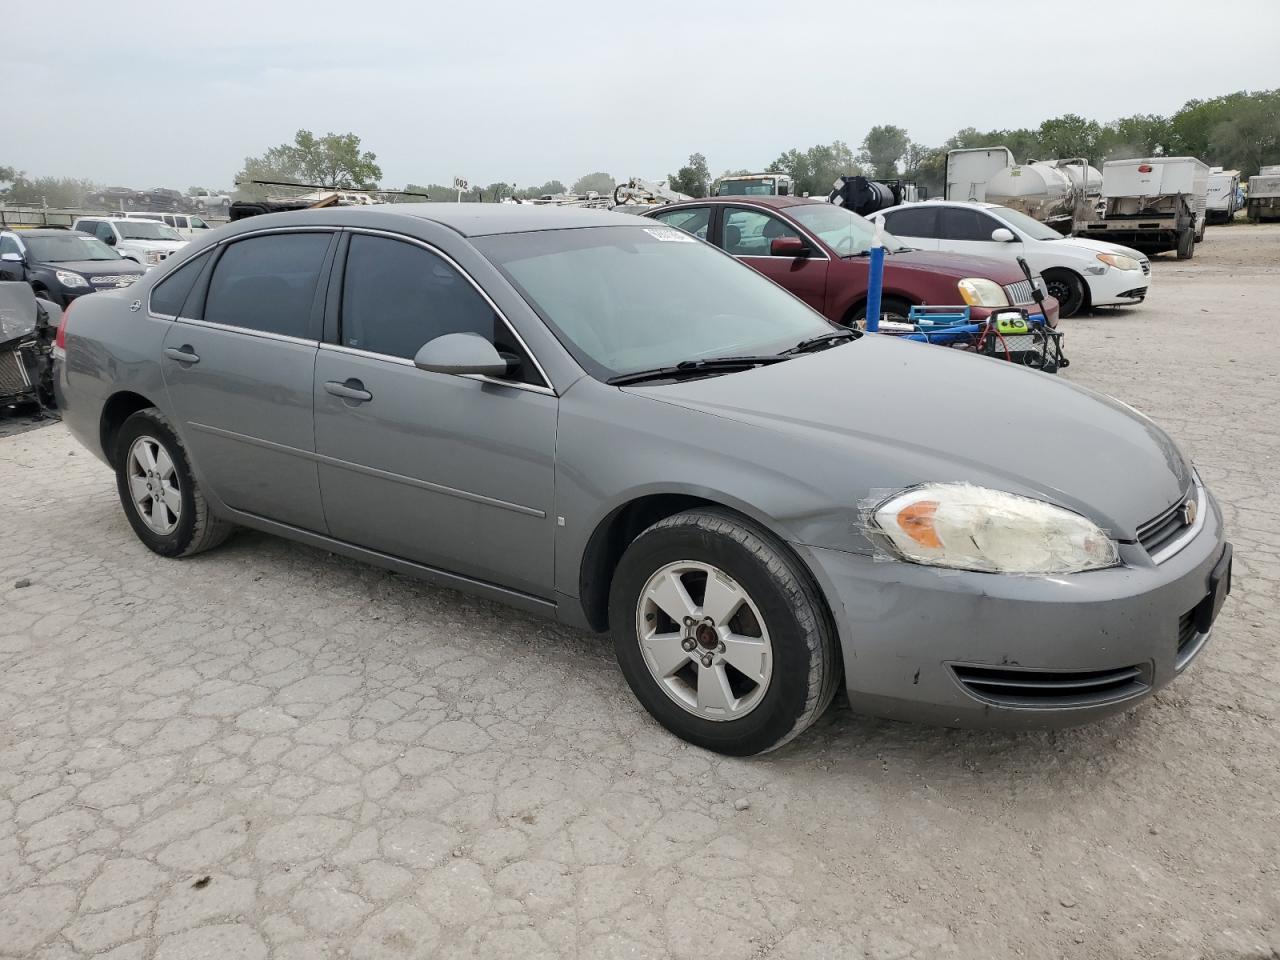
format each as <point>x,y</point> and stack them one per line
<point>401,361</point>
<point>545,386</point>
<point>1193,531</point>
<point>247,331</point>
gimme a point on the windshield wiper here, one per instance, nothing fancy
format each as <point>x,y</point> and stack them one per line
<point>821,341</point>
<point>686,368</point>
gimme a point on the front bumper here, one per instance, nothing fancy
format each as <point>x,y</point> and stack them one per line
<point>986,650</point>
<point>1118,287</point>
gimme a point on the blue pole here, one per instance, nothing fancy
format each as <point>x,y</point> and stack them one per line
<point>875,281</point>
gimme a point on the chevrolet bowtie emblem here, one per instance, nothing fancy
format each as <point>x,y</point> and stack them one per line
<point>1189,510</point>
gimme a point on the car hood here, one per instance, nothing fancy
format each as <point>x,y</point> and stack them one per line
<point>169,245</point>
<point>903,413</point>
<point>1098,246</point>
<point>97,268</point>
<point>957,265</point>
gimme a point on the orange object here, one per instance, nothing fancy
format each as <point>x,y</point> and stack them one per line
<point>917,521</point>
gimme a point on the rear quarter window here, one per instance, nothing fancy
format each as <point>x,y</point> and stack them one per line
<point>171,293</point>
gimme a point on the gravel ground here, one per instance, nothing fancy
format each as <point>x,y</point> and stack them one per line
<point>268,751</point>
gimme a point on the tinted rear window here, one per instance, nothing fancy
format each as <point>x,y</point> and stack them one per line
<point>268,283</point>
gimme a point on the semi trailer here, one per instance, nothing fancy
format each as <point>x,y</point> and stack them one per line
<point>1153,204</point>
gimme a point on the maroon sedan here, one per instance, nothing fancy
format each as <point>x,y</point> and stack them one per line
<point>818,251</point>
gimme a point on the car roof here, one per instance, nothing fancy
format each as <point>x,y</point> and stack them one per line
<point>763,201</point>
<point>468,219</point>
<point>980,204</point>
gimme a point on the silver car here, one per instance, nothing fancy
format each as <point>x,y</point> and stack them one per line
<point>607,421</point>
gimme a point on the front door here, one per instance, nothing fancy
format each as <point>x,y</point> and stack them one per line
<point>238,363</point>
<point>454,472</point>
<point>747,234</point>
<point>968,230</point>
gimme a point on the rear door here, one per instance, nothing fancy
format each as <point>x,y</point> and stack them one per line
<point>747,232</point>
<point>238,365</point>
<point>453,472</point>
<point>916,226</point>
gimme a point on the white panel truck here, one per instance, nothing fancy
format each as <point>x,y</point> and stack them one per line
<point>1264,195</point>
<point>969,171</point>
<point>1223,188</point>
<point>1154,204</point>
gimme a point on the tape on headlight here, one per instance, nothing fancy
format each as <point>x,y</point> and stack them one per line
<point>965,527</point>
<point>980,292</point>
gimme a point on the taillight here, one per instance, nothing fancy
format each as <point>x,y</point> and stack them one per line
<point>1144,168</point>
<point>60,339</point>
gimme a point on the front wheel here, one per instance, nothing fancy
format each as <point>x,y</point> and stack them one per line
<point>1067,289</point>
<point>891,309</point>
<point>721,634</point>
<point>161,498</point>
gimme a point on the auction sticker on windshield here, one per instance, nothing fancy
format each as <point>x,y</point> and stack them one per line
<point>668,234</point>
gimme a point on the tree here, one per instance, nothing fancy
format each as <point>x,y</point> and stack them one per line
<point>693,178</point>
<point>1141,135</point>
<point>814,171</point>
<point>551,187</point>
<point>602,183</point>
<point>1069,135</point>
<point>334,160</point>
<point>882,148</point>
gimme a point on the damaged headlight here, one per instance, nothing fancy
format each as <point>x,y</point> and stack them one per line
<point>964,527</point>
<point>980,292</point>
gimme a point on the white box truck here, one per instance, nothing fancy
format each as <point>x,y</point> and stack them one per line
<point>969,171</point>
<point>1264,195</point>
<point>1154,204</point>
<point>1224,186</point>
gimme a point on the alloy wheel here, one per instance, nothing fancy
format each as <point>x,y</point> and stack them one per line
<point>704,640</point>
<point>154,486</point>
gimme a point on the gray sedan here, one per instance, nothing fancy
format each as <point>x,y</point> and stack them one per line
<point>604,420</point>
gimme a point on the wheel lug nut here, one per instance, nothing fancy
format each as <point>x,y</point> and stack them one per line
<point>688,643</point>
<point>720,647</point>
<point>706,660</point>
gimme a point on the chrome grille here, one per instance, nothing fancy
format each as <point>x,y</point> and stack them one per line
<point>13,375</point>
<point>1014,687</point>
<point>1164,528</point>
<point>1023,292</point>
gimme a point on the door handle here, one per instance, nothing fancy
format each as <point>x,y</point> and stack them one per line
<point>183,354</point>
<point>351,389</point>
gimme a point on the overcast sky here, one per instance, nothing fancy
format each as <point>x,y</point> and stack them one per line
<point>178,93</point>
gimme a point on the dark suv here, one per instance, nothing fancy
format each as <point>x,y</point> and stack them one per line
<point>61,265</point>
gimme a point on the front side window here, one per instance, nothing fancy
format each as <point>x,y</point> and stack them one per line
<point>965,223</point>
<point>694,220</point>
<point>268,283</point>
<point>623,299</point>
<point>396,297</point>
<point>841,229</point>
<point>748,233</point>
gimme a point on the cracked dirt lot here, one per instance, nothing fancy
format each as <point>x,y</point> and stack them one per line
<point>365,766</point>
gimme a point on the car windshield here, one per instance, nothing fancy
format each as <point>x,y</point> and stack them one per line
<point>68,248</point>
<point>761,187</point>
<point>842,230</point>
<point>146,230</point>
<point>1032,227</point>
<point>625,299</point>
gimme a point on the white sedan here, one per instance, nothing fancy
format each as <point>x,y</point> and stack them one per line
<point>1081,273</point>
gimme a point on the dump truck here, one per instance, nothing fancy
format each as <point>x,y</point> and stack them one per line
<point>1154,204</point>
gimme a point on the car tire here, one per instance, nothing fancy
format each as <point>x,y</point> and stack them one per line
<point>1068,289</point>
<point>778,616</point>
<point>1186,244</point>
<point>891,308</point>
<point>149,456</point>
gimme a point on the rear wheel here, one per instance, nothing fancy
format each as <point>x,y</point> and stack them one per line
<point>1068,289</point>
<point>161,498</point>
<point>1186,243</point>
<point>721,634</point>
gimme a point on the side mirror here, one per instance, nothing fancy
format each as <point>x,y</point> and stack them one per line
<point>460,353</point>
<point>788,247</point>
<point>13,257</point>
<point>109,240</point>
<point>1003,235</point>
